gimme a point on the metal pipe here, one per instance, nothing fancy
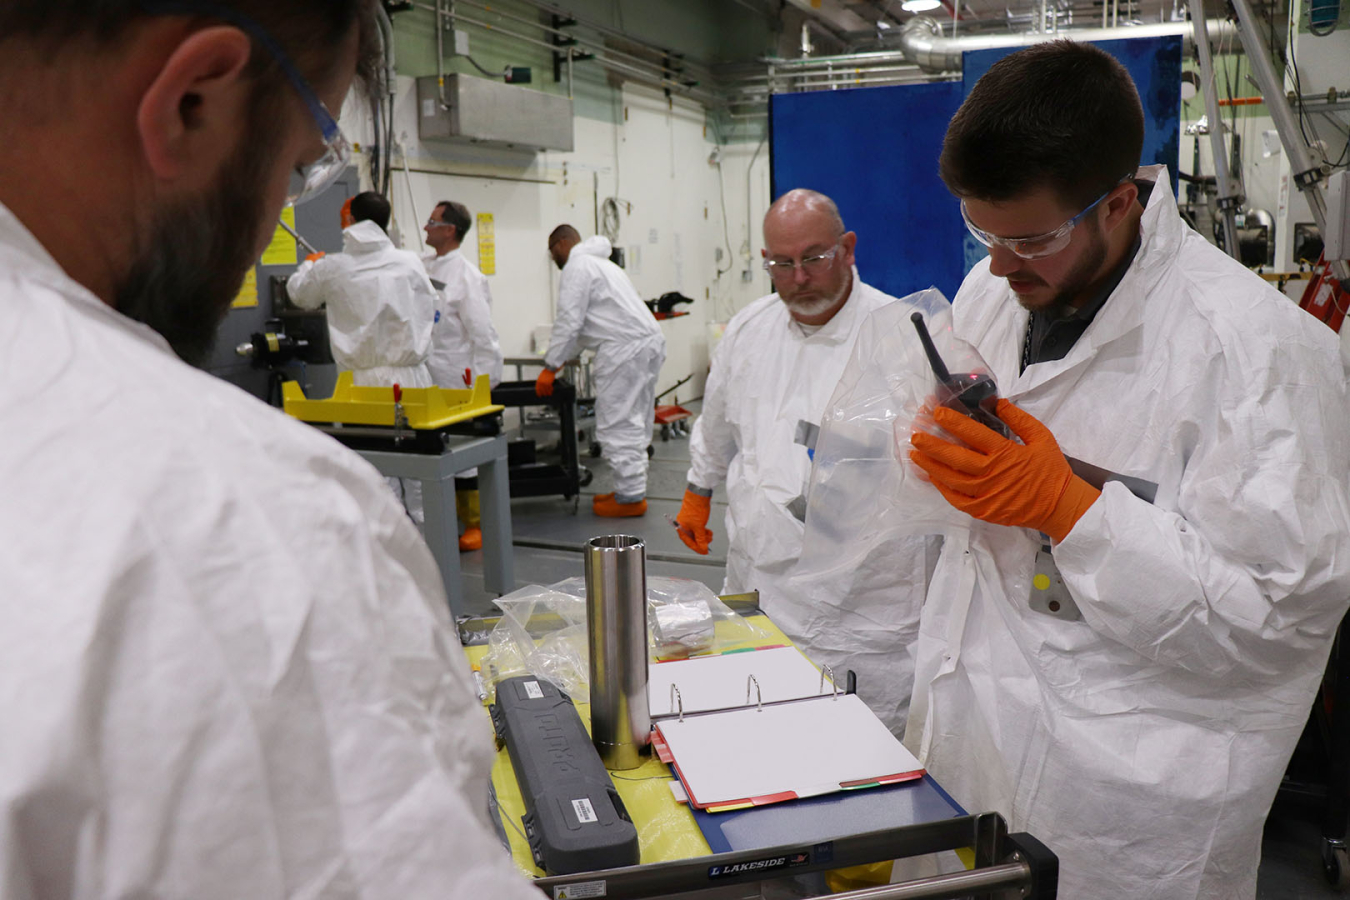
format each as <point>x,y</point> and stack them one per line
<point>703,73</point>
<point>440,54</point>
<point>616,626</point>
<point>295,234</point>
<point>922,41</point>
<point>944,887</point>
<point>1307,174</point>
<point>606,60</point>
<point>613,32</point>
<point>1230,194</point>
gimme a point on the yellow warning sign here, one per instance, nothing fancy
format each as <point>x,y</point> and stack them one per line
<point>248,291</point>
<point>281,251</point>
<point>487,245</point>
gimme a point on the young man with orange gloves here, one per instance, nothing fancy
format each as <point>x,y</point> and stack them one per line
<point>1119,653</point>
<point>772,376</point>
<point>599,309</point>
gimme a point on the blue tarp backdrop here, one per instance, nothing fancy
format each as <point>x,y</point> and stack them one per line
<point>875,150</point>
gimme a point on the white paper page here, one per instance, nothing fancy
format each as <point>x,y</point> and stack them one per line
<point>717,682</point>
<point>808,748</point>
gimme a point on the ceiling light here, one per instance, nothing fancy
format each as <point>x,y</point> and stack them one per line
<point>917,6</point>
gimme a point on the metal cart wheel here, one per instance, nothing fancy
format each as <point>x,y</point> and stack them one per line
<point>665,432</point>
<point>651,451</point>
<point>585,476</point>
<point>576,503</point>
<point>594,450</point>
<point>1336,866</point>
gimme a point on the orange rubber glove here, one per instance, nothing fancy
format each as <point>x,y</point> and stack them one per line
<point>1028,485</point>
<point>692,522</point>
<point>543,385</point>
<point>314,257</point>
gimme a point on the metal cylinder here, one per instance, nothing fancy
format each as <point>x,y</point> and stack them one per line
<point>616,622</point>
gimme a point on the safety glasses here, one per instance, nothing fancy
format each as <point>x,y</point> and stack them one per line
<point>307,181</point>
<point>434,223</point>
<point>1036,246</point>
<point>811,265</point>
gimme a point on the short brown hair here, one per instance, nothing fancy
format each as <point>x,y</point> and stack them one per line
<point>1061,114</point>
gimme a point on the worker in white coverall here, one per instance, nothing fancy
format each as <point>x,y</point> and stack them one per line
<point>227,661</point>
<point>1123,667</point>
<point>599,309</point>
<point>381,309</point>
<point>772,376</point>
<point>464,344</point>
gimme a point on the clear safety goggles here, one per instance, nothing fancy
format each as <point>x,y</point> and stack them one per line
<point>811,265</point>
<point>307,181</point>
<point>435,223</point>
<point>1037,246</point>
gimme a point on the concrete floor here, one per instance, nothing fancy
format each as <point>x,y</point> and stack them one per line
<point>549,537</point>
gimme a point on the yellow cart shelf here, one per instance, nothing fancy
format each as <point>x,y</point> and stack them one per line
<point>427,409</point>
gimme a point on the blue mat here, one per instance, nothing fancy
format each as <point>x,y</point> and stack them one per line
<point>817,819</point>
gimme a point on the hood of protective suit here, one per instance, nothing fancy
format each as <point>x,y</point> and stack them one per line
<point>594,246</point>
<point>365,237</point>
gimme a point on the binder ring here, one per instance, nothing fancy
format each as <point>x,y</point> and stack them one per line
<point>833,684</point>
<point>759,696</point>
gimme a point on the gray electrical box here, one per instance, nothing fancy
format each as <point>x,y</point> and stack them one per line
<point>492,112</point>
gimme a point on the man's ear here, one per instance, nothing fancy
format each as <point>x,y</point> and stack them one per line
<point>849,242</point>
<point>1119,204</point>
<point>192,113</point>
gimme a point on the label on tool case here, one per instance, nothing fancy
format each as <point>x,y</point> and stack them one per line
<point>585,812</point>
<point>533,691</point>
<point>759,866</point>
<point>579,890</point>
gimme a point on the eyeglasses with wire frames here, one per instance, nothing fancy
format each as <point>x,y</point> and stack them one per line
<point>816,264</point>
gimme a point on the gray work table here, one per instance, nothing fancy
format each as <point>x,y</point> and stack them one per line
<point>441,528</point>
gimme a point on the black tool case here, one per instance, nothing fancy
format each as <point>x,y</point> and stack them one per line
<point>574,820</point>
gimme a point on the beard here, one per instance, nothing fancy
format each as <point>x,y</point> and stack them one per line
<point>190,262</point>
<point>1076,280</point>
<point>815,305</point>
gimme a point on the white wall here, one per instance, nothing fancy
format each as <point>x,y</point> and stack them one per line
<point>654,160</point>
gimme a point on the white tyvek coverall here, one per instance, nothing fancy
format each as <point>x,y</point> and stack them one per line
<point>381,307</point>
<point>599,309</point>
<point>767,375</point>
<point>226,664</point>
<point>1145,742</point>
<point>463,336</point>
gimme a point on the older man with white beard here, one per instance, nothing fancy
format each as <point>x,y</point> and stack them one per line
<point>772,376</point>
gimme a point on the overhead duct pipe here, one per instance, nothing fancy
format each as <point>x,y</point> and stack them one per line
<point>923,43</point>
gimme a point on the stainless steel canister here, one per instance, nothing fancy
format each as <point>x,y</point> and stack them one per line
<point>616,620</point>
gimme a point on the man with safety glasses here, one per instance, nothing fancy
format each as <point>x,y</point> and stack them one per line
<point>1119,653</point>
<point>226,664</point>
<point>772,376</point>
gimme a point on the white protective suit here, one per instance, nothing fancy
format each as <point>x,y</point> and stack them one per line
<point>598,309</point>
<point>381,309</point>
<point>463,336</point>
<point>1144,743</point>
<point>769,374</point>
<point>226,664</point>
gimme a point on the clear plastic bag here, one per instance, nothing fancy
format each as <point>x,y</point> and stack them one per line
<point>542,630</point>
<point>865,490</point>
